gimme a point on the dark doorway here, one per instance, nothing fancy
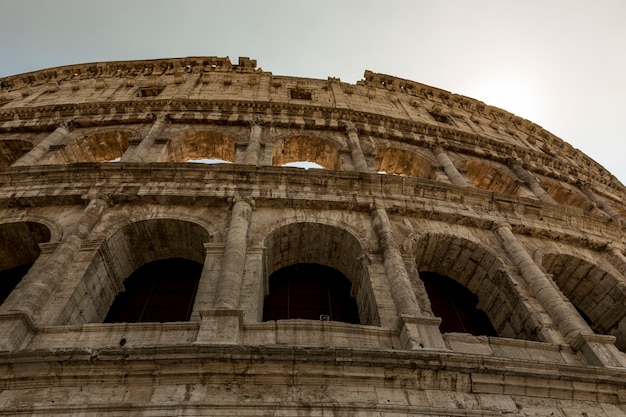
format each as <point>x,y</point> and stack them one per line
<point>310,291</point>
<point>456,306</point>
<point>9,278</point>
<point>159,291</point>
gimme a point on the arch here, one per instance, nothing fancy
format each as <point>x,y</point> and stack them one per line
<point>403,162</point>
<point>320,244</point>
<point>11,150</point>
<point>567,195</point>
<point>306,149</point>
<point>597,293</point>
<point>483,274</point>
<point>200,144</point>
<point>486,177</point>
<point>19,249</point>
<point>124,252</point>
<point>103,146</point>
<point>456,306</point>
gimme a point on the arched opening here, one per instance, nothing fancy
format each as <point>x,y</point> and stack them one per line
<point>158,291</point>
<point>567,195</point>
<point>310,291</point>
<point>138,249</point>
<point>402,162</point>
<point>11,150</point>
<point>486,177</point>
<point>598,295</point>
<point>479,271</point>
<point>320,258</point>
<point>19,249</point>
<point>456,306</point>
<point>99,147</point>
<point>200,146</point>
<point>306,149</point>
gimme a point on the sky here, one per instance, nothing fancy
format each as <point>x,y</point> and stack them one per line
<point>559,63</point>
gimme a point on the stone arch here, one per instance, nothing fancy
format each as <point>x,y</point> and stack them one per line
<point>127,249</point>
<point>567,195</point>
<point>11,150</point>
<point>200,144</point>
<point>102,146</point>
<point>19,249</point>
<point>330,246</point>
<point>487,177</point>
<point>484,274</point>
<point>599,294</point>
<point>302,148</point>
<point>399,161</point>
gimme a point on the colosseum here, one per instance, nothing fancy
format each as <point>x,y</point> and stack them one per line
<point>163,251</point>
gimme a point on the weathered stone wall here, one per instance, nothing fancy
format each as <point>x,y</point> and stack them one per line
<point>96,180</point>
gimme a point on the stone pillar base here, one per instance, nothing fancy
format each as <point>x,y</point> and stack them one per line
<point>220,327</point>
<point>16,330</point>
<point>599,350</point>
<point>420,333</point>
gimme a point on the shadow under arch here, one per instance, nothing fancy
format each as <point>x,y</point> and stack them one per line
<point>199,144</point>
<point>403,162</point>
<point>486,177</point>
<point>306,149</point>
<point>19,249</point>
<point>11,150</point>
<point>480,271</point>
<point>124,252</point>
<point>323,245</point>
<point>599,295</point>
<point>104,146</point>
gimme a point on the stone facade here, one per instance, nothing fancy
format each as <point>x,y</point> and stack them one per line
<point>95,181</point>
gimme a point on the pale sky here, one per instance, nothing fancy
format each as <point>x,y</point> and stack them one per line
<point>558,63</point>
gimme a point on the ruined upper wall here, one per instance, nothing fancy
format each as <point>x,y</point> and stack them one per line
<point>385,105</point>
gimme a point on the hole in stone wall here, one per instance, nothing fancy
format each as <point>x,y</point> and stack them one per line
<point>486,177</point>
<point>312,292</point>
<point>402,162</point>
<point>159,291</point>
<point>330,249</point>
<point>456,306</point>
<point>306,148</point>
<point>19,249</point>
<point>11,150</point>
<point>98,147</point>
<point>200,146</point>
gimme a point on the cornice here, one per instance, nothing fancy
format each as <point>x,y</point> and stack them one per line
<point>194,185</point>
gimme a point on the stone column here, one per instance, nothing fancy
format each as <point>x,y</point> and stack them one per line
<point>599,200</point>
<point>358,158</point>
<point>541,287</point>
<point>140,153</point>
<point>416,329</point>
<point>223,324</point>
<point>251,156</point>
<point>55,138</point>
<point>231,275</point>
<point>36,288</point>
<point>448,166</point>
<point>532,183</point>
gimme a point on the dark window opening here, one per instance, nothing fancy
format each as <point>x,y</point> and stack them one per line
<point>440,117</point>
<point>456,306</point>
<point>159,291</point>
<point>9,278</point>
<point>301,94</point>
<point>150,91</point>
<point>310,291</point>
